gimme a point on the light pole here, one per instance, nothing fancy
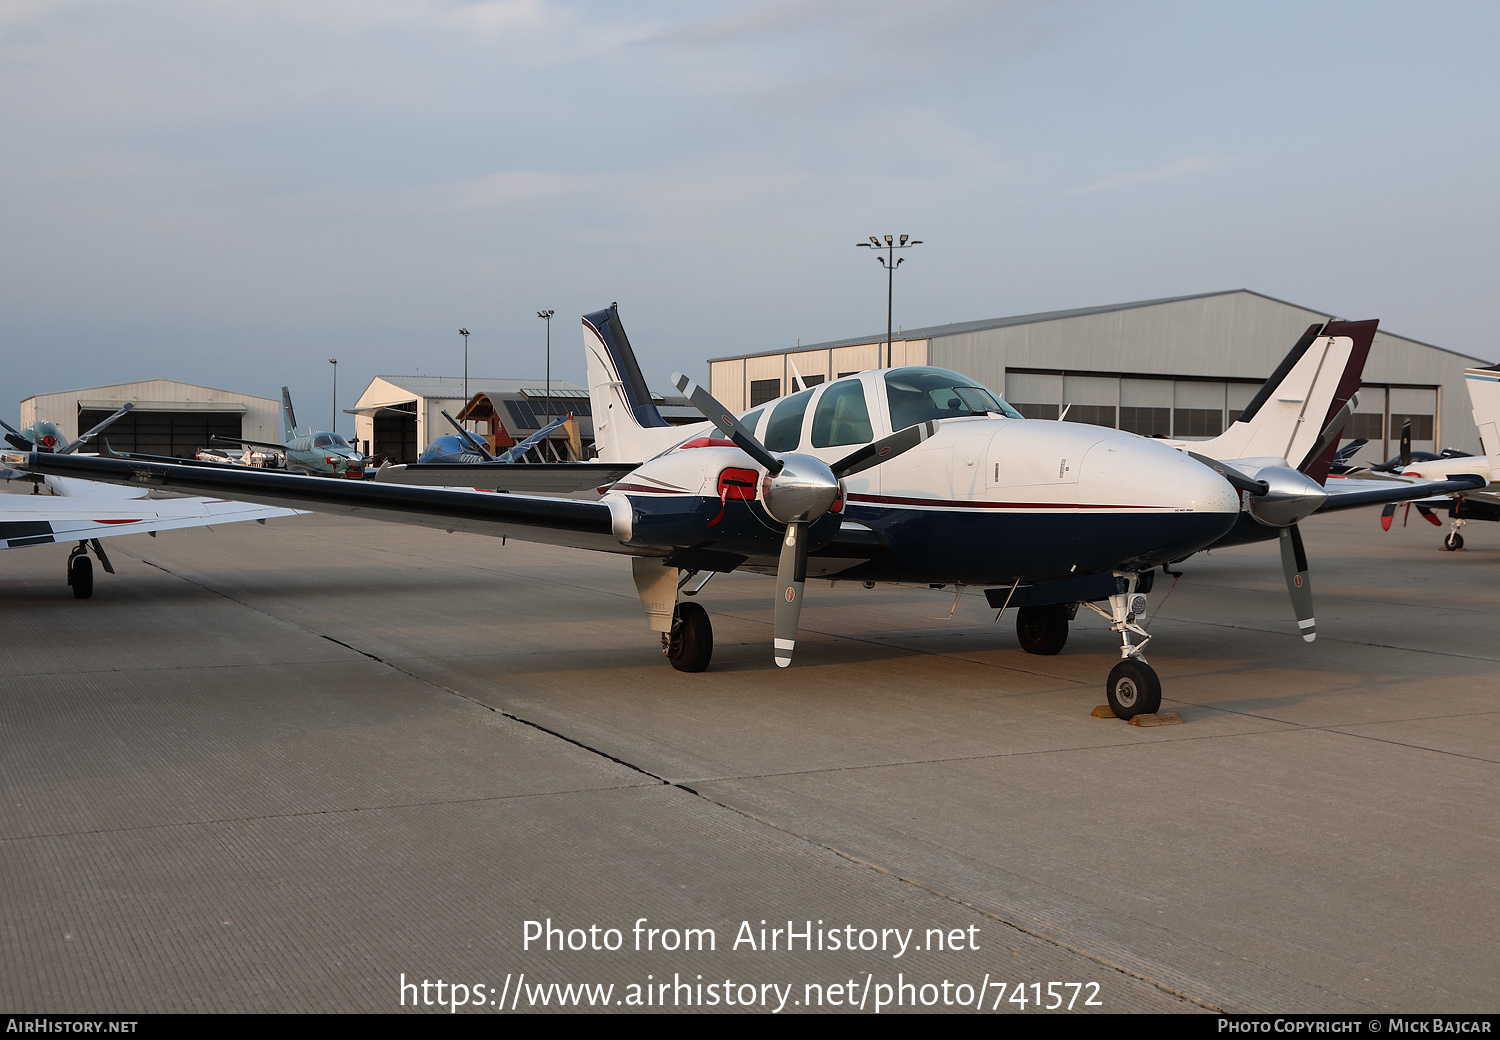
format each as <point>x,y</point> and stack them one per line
<point>335,363</point>
<point>547,317</point>
<point>465,334</point>
<point>890,246</point>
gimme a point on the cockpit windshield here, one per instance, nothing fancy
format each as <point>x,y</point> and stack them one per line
<point>919,394</point>
<point>330,440</point>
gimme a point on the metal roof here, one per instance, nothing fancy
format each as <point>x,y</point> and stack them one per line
<point>453,386</point>
<point>961,327</point>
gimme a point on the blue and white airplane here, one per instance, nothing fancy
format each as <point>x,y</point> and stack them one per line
<point>912,474</point>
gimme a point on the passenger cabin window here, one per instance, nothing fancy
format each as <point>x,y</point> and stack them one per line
<point>919,394</point>
<point>842,417</point>
<point>784,431</point>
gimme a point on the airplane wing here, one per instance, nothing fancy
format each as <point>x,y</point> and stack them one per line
<point>1349,492</point>
<point>546,478</point>
<point>40,519</point>
<point>554,521</point>
<point>254,444</point>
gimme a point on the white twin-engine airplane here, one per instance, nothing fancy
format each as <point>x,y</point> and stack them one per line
<point>898,475</point>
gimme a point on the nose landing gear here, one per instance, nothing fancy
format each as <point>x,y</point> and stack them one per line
<point>1133,687</point>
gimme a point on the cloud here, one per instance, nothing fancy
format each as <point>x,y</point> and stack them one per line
<point>1187,166</point>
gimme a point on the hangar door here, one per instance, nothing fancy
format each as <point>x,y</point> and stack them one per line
<point>179,434</point>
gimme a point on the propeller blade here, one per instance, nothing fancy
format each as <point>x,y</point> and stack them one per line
<point>85,438</point>
<point>1237,480</point>
<point>1294,565</point>
<point>14,438</point>
<point>791,574</point>
<point>726,424</point>
<point>1330,435</point>
<point>883,450</point>
<point>1386,514</point>
<point>1429,516</point>
<point>1406,444</point>
<point>468,438</point>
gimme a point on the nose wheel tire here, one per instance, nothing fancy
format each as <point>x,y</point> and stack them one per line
<point>81,577</point>
<point>1453,541</point>
<point>691,642</point>
<point>1133,689</point>
<point>1042,630</point>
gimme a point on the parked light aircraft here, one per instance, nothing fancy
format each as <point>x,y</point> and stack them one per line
<point>318,453</point>
<point>901,475</point>
<point>1482,503</point>
<point>86,511</point>
<point>464,449</point>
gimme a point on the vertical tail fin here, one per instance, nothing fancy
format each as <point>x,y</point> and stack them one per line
<point>1293,414</point>
<point>1484,398</point>
<point>288,417</point>
<point>627,426</point>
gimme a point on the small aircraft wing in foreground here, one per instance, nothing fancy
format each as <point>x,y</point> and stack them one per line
<point>83,511</point>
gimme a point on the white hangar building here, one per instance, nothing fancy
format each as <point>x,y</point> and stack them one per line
<point>1178,367</point>
<point>169,418</point>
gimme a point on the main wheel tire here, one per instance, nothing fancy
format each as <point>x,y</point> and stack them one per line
<point>81,577</point>
<point>1042,630</point>
<point>1133,689</point>
<point>1453,541</point>
<point>692,643</point>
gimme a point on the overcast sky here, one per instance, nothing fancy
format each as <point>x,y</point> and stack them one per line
<point>230,193</point>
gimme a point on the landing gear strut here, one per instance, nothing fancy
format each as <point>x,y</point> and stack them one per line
<point>690,644</point>
<point>1133,687</point>
<point>1454,541</point>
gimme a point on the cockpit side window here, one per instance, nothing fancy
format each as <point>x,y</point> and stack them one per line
<point>784,431</point>
<point>919,394</point>
<point>322,440</point>
<point>842,417</point>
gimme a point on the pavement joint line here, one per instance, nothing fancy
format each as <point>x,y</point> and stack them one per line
<point>419,678</point>
<point>957,901</point>
<point>477,800</point>
<point>1174,739</point>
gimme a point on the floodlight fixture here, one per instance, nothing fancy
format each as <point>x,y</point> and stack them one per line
<point>890,262</point>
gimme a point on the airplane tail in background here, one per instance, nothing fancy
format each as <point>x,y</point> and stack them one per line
<point>1484,398</point>
<point>288,417</point>
<point>627,426</point>
<point>1298,413</point>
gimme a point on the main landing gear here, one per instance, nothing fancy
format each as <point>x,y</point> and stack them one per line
<point>1133,687</point>
<point>690,643</point>
<point>1454,541</point>
<point>1044,630</point>
<point>81,568</point>
<point>81,573</point>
